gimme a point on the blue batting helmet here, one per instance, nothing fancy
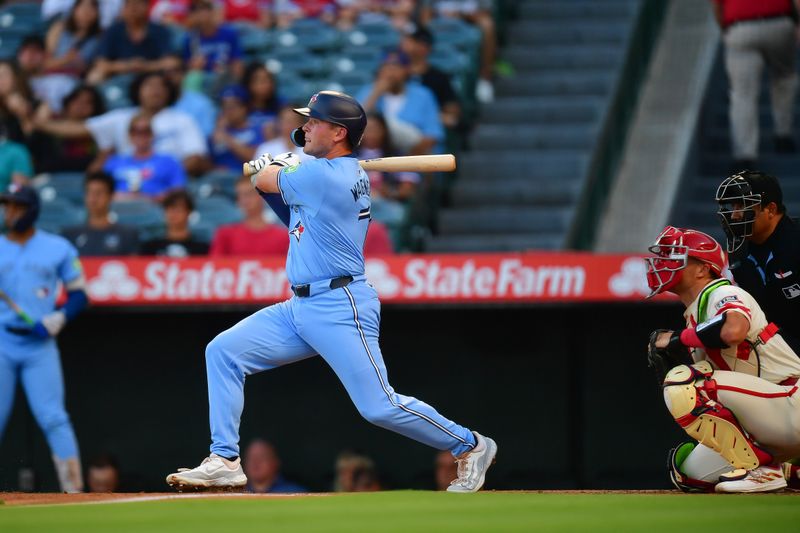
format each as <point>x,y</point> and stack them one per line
<point>337,108</point>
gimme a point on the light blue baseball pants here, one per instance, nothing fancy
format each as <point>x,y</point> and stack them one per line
<point>38,367</point>
<point>342,326</point>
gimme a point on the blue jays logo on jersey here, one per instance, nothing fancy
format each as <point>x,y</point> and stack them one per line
<point>298,230</point>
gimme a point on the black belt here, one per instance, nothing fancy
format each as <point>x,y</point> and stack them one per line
<point>304,291</point>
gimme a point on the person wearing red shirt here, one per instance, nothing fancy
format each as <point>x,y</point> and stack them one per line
<point>378,241</point>
<point>757,35</point>
<point>253,236</point>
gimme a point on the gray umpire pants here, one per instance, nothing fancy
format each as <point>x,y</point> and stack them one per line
<point>749,46</point>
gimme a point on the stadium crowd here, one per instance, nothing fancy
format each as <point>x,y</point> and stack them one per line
<point>132,118</point>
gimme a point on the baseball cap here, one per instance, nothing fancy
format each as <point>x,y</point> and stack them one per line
<point>422,34</point>
<point>765,185</point>
<point>396,57</point>
<point>20,194</point>
<point>234,91</point>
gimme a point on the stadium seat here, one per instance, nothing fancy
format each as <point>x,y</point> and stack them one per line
<point>217,210</point>
<point>115,91</point>
<point>455,32</point>
<point>317,37</point>
<point>59,213</point>
<point>66,186</point>
<point>255,40</point>
<point>141,213</point>
<point>215,183</point>
<point>356,58</point>
<point>375,35</point>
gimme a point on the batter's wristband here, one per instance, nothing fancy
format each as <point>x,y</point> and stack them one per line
<point>688,337</point>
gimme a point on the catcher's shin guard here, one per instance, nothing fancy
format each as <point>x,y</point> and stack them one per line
<point>689,393</point>
<point>680,480</point>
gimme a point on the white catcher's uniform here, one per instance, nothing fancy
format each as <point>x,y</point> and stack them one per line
<point>755,380</point>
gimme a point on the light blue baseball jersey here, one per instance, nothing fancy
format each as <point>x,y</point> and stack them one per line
<point>29,275</point>
<point>329,216</point>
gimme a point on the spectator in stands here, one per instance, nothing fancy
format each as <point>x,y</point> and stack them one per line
<point>479,13</point>
<point>100,236</point>
<point>16,101</point>
<point>258,12</point>
<point>102,474</point>
<point>175,132</point>
<point>72,41</point>
<point>355,473</point>
<point>418,45</point>
<point>60,154</point>
<point>178,242</point>
<point>287,11</point>
<point>262,466</point>
<point>170,12</point>
<point>109,10</point>
<point>48,88</point>
<point>378,241</point>
<point>410,110</point>
<point>235,138</point>
<point>263,102</point>
<point>252,236</point>
<point>133,45</point>
<point>288,120</point>
<point>445,469</point>
<point>211,46</point>
<point>144,173</point>
<point>755,35</point>
<point>15,161</point>
<point>192,100</point>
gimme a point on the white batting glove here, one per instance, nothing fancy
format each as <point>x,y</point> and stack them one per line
<point>288,159</point>
<point>257,165</point>
<point>54,322</point>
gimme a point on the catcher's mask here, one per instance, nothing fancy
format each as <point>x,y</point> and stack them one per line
<point>672,251</point>
<point>736,212</point>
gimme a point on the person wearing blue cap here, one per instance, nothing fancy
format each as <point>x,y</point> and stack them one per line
<point>32,263</point>
<point>235,138</point>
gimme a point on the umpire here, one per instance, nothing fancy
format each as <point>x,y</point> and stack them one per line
<point>764,247</point>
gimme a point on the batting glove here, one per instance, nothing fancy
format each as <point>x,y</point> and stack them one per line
<point>288,159</point>
<point>49,326</point>
<point>257,165</point>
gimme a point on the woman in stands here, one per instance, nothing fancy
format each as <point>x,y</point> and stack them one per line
<point>263,103</point>
<point>72,41</point>
<point>16,101</point>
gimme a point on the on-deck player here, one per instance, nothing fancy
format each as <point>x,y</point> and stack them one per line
<point>737,395</point>
<point>32,263</point>
<point>335,313</point>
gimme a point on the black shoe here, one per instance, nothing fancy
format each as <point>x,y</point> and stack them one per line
<point>740,165</point>
<point>785,144</point>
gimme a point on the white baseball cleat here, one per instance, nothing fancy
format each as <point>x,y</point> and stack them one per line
<point>473,465</point>
<point>214,472</point>
<point>767,478</point>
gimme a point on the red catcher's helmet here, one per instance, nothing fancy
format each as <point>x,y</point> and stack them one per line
<point>672,250</point>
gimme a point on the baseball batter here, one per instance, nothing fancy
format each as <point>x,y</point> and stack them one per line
<point>737,395</point>
<point>335,313</point>
<point>32,264</point>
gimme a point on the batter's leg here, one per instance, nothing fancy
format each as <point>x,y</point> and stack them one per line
<point>8,386</point>
<point>342,325</point>
<point>262,341</point>
<point>43,383</point>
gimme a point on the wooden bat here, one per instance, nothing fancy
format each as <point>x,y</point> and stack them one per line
<point>408,163</point>
<point>17,309</point>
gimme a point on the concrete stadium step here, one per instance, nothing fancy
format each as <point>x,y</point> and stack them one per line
<point>567,11</point>
<point>547,84</point>
<point>516,191</point>
<point>524,137</point>
<point>568,33</point>
<point>581,56</point>
<point>499,219</point>
<point>494,243</point>
<point>500,164</point>
<point>548,110</point>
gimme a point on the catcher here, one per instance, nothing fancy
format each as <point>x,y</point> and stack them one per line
<point>729,378</point>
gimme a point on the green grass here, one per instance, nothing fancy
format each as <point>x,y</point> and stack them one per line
<point>416,512</point>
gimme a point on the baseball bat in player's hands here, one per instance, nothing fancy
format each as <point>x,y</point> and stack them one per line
<point>17,309</point>
<point>408,163</point>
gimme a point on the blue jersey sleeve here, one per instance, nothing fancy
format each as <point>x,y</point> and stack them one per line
<point>305,184</point>
<point>69,269</point>
<point>177,174</point>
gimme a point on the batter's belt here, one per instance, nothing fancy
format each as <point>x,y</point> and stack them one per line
<point>311,289</point>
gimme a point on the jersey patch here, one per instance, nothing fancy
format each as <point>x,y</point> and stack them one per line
<point>792,291</point>
<point>727,299</point>
<point>298,230</point>
<point>781,274</point>
<point>289,170</point>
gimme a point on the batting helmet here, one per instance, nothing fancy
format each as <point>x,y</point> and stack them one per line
<point>738,195</point>
<point>336,108</point>
<point>22,195</point>
<point>672,250</point>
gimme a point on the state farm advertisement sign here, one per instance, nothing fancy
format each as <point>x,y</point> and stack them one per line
<point>491,278</point>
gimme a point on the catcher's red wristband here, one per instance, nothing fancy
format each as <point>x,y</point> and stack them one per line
<point>689,338</point>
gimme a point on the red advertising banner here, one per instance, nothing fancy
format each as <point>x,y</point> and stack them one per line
<point>489,278</point>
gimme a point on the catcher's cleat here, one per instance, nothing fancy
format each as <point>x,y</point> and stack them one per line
<point>791,472</point>
<point>214,473</point>
<point>473,465</point>
<point>767,478</point>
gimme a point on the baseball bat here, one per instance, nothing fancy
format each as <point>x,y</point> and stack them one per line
<point>407,163</point>
<point>17,309</point>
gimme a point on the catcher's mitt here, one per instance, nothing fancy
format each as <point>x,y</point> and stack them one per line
<point>662,360</point>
